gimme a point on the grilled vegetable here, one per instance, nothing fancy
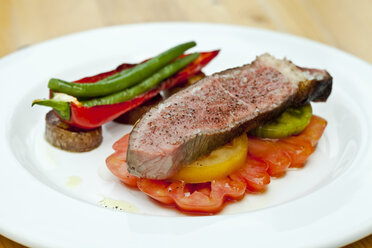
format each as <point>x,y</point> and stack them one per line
<point>145,85</point>
<point>65,137</point>
<point>86,118</point>
<point>121,80</point>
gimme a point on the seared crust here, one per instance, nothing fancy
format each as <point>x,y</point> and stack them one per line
<point>62,136</point>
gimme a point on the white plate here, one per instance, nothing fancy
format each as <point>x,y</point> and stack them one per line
<point>50,198</point>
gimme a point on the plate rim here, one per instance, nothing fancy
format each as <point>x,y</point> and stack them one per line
<point>4,60</point>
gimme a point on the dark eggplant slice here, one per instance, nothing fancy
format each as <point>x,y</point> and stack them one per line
<point>65,137</point>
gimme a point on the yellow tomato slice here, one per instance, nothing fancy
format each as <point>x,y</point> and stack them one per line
<point>218,164</point>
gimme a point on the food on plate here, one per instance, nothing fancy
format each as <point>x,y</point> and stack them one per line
<point>292,151</point>
<point>210,113</point>
<point>88,103</point>
<point>68,138</point>
<point>191,150</point>
<point>266,158</point>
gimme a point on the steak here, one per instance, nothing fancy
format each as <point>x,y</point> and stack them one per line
<point>216,109</point>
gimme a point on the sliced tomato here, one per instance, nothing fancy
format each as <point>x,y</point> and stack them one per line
<point>293,151</point>
<point>122,144</point>
<point>270,152</point>
<point>300,147</point>
<point>157,189</point>
<point>209,197</point>
<point>201,197</point>
<point>254,174</point>
<point>116,162</point>
<point>312,133</point>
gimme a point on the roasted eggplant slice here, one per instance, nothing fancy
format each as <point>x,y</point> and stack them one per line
<point>65,137</point>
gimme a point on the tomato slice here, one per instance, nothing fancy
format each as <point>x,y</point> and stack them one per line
<point>266,157</point>
<point>300,147</point>
<point>122,144</point>
<point>254,173</point>
<point>293,151</point>
<point>211,199</point>
<point>116,162</point>
<point>270,152</point>
<point>156,189</point>
<point>201,197</point>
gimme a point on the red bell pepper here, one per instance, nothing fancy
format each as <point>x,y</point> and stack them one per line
<point>93,117</point>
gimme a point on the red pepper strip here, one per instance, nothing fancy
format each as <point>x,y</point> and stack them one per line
<point>93,117</point>
<point>104,75</point>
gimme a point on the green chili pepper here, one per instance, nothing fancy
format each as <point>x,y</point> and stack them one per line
<point>145,85</point>
<point>61,107</point>
<point>122,80</point>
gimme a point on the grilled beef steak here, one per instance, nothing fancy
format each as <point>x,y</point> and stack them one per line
<point>210,113</point>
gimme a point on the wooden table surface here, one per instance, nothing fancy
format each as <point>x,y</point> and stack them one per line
<point>345,24</point>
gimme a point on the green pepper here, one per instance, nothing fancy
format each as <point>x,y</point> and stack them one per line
<point>145,85</point>
<point>59,102</point>
<point>122,80</point>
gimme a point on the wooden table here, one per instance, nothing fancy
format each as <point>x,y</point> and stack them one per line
<point>345,24</point>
